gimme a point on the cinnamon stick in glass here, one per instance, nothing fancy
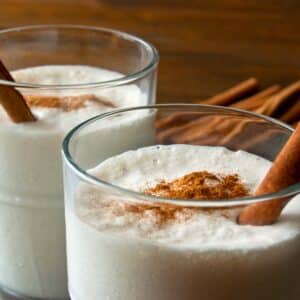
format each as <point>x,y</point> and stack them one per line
<point>12,100</point>
<point>284,172</point>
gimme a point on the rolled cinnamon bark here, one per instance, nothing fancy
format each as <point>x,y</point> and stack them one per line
<point>238,128</point>
<point>292,114</point>
<point>235,93</point>
<point>276,102</point>
<point>257,99</point>
<point>175,119</point>
<point>284,172</point>
<point>184,129</point>
<point>12,100</point>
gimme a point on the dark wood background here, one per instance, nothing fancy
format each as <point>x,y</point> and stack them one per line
<point>205,45</point>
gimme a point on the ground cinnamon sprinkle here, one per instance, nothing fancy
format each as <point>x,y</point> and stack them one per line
<point>66,103</point>
<point>198,185</point>
<point>201,185</point>
<point>159,214</point>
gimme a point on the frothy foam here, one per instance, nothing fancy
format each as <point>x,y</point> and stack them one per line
<point>51,116</point>
<point>190,228</point>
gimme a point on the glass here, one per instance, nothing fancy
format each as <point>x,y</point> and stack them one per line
<point>109,264</point>
<point>32,227</point>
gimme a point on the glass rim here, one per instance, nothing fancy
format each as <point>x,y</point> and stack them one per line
<point>87,177</point>
<point>144,71</point>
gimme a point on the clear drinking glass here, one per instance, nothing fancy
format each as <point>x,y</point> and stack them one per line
<point>32,227</point>
<point>111,263</point>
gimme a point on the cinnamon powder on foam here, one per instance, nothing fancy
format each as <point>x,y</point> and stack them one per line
<point>66,103</point>
<point>194,186</point>
<point>201,185</point>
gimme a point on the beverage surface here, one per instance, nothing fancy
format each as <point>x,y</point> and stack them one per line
<point>193,228</point>
<point>64,108</point>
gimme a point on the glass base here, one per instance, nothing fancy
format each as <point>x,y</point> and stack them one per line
<point>8,294</point>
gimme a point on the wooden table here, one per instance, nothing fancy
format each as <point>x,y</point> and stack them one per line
<point>205,45</point>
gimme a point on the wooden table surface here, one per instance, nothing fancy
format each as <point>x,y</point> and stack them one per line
<point>205,45</point>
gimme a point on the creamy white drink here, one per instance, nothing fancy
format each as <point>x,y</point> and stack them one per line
<point>119,249</point>
<point>32,239</point>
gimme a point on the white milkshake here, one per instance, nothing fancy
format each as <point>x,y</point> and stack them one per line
<point>124,250</point>
<point>32,239</point>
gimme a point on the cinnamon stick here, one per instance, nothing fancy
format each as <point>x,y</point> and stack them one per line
<point>175,119</point>
<point>233,94</point>
<point>274,103</point>
<point>12,100</point>
<point>269,108</point>
<point>219,126</point>
<point>183,129</point>
<point>229,96</point>
<point>292,114</point>
<point>284,172</point>
<point>256,139</point>
<point>231,128</point>
<point>233,133</point>
<point>187,128</point>
<point>253,103</point>
<point>257,99</point>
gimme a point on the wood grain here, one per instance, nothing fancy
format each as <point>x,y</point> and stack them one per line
<point>205,46</point>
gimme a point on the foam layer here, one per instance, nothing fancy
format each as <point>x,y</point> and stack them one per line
<point>53,118</point>
<point>143,168</point>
